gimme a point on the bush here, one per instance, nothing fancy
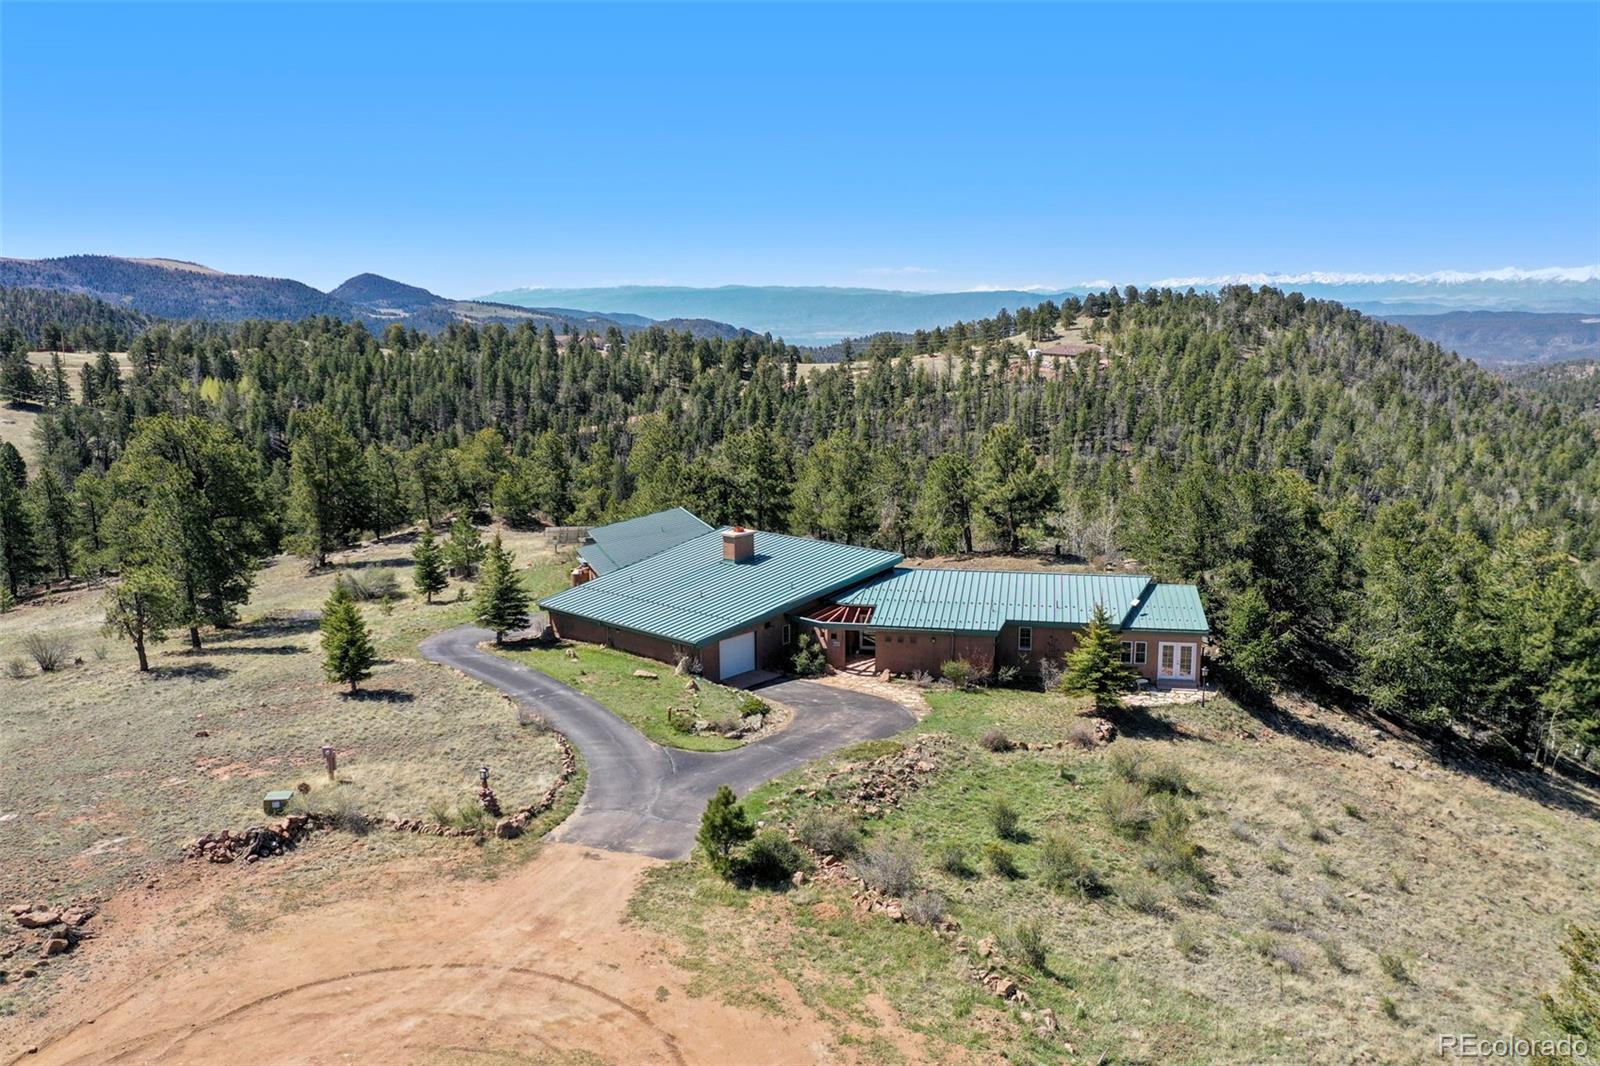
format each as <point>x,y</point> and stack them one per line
<point>1000,860</point>
<point>1395,968</point>
<point>1126,808</point>
<point>1186,938</point>
<point>750,704</point>
<point>1004,818</point>
<point>50,650</point>
<point>994,740</point>
<point>1167,777</point>
<point>1026,942</point>
<point>1171,854</point>
<point>1063,866</point>
<point>827,833</point>
<point>771,858</point>
<point>1050,673</point>
<point>1127,763</point>
<point>952,860</point>
<point>1141,894</point>
<point>723,826</point>
<point>1006,676</point>
<point>1082,734</point>
<point>341,812</point>
<point>809,660</point>
<point>925,908</point>
<point>888,866</point>
<point>958,672</point>
<point>380,584</point>
<point>16,668</point>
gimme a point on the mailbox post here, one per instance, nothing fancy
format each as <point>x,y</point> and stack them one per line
<point>330,759</point>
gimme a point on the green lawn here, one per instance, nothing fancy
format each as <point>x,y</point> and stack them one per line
<point>1313,871</point>
<point>606,675</point>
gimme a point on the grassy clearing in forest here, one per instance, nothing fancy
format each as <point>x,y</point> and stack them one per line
<point>109,771</point>
<point>607,676</point>
<point>1202,879</point>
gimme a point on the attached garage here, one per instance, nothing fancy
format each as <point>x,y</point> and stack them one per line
<point>737,655</point>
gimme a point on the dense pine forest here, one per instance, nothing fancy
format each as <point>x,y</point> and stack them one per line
<point>1366,514</point>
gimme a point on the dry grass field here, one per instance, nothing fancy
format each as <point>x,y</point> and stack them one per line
<point>1293,888</point>
<point>17,422</point>
<point>109,771</point>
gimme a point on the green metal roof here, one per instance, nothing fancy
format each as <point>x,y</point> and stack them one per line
<point>982,601</point>
<point>1169,609</point>
<point>690,594</point>
<point>625,543</point>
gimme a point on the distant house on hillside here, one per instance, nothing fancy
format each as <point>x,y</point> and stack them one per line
<point>668,585</point>
<point>1068,349</point>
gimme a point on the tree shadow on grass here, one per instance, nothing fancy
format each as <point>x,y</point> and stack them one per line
<point>380,695</point>
<point>190,671</point>
<point>289,624</point>
<point>1138,723</point>
<point>268,649</point>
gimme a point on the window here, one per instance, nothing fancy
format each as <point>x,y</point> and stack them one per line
<point>1025,638</point>
<point>1127,653</point>
<point>833,638</point>
<point>786,634</point>
<point>1139,650</point>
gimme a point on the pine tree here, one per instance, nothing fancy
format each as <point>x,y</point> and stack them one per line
<point>387,507</point>
<point>1013,491</point>
<point>463,552</point>
<point>140,607</point>
<point>944,507</point>
<point>347,654</point>
<point>1094,667</point>
<point>327,487</point>
<point>19,554</point>
<point>500,602</point>
<point>428,573</point>
<point>723,827</point>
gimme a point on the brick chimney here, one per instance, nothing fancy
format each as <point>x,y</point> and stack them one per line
<point>738,544</point>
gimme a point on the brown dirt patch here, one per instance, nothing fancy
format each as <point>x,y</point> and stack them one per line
<point>537,964</point>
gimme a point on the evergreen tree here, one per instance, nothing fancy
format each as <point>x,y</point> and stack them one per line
<point>428,567</point>
<point>1094,667</point>
<point>723,827</point>
<point>91,500</point>
<point>19,558</point>
<point>550,477</point>
<point>463,552</point>
<point>186,499</point>
<point>1575,1005</point>
<point>140,607</point>
<point>500,602</point>
<point>327,487</point>
<point>347,654</point>
<point>385,493</point>
<point>944,506</point>
<point>1013,491</point>
<point>53,521</point>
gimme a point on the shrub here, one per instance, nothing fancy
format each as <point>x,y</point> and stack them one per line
<point>1389,1007</point>
<point>952,859</point>
<point>341,812</point>
<point>99,653</point>
<point>958,672</point>
<point>1171,854</point>
<point>750,704</point>
<point>16,668</point>
<point>370,587</point>
<point>1167,777</point>
<point>1127,763</point>
<point>994,740</point>
<point>1126,808</point>
<point>1000,860</point>
<point>1050,674</point>
<point>1186,938</point>
<point>889,866</point>
<point>771,858</point>
<point>1334,954</point>
<point>921,678</point>
<point>1395,968</point>
<point>1064,867</point>
<point>723,826</point>
<point>827,833</point>
<point>1241,831</point>
<point>1004,818</point>
<point>1401,879</point>
<point>809,660</point>
<point>49,650</point>
<point>925,908</point>
<point>1141,894</point>
<point>1026,942</point>
<point>1082,734</point>
<point>1277,863</point>
<point>1006,676</point>
<point>1352,811</point>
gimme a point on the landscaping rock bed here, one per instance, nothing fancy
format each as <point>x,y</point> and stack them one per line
<point>257,842</point>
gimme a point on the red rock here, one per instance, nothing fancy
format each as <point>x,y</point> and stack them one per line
<point>38,919</point>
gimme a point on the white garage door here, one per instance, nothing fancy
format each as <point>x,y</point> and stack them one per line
<point>737,655</point>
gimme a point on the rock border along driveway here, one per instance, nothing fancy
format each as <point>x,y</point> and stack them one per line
<point>645,798</point>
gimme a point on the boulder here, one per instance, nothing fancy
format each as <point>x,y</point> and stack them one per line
<point>648,675</point>
<point>38,919</point>
<point>56,945</point>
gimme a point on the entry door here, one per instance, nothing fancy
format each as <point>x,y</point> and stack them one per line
<point>737,655</point>
<point>1176,662</point>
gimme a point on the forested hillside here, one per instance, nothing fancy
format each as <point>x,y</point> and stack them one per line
<point>61,321</point>
<point>1365,512</point>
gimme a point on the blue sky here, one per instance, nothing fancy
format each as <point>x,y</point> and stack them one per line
<point>473,148</point>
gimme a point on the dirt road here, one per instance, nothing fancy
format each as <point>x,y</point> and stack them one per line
<point>536,966</point>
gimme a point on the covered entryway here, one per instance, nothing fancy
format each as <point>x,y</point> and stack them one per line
<point>1176,662</point>
<point>736,655</point>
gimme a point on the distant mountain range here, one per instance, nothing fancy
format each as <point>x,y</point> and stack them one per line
<point>799,314</point>
<point>1503,338</point>
<point>821,315</point>
<point>175,289</point>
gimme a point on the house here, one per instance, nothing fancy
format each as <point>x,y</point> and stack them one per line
<point>738,599</point>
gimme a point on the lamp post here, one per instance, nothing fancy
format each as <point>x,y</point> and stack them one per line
<point>330,759</point>
<point>1205,671</point>
<point>483,776</point>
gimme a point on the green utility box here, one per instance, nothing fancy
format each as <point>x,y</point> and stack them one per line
<point>276,802</point>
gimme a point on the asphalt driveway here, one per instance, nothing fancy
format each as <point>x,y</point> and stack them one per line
<point>647,799</point>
